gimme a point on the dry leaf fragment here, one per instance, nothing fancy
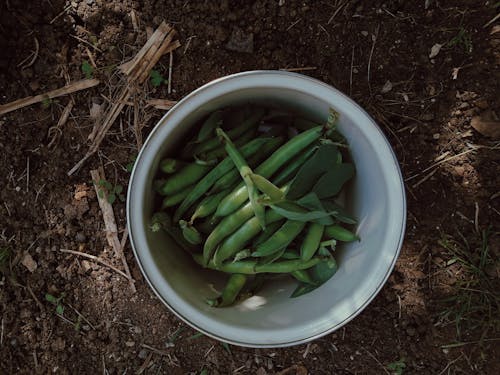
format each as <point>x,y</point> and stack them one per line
<point>486,126</point>
<point>387,87</point>
<point>435,50</point>
<point>29,262</point>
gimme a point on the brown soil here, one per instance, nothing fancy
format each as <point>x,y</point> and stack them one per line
<point>426,116</point>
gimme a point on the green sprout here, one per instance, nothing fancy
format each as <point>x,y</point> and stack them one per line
<point>156,78</point>
<point>87,69</point>
<point>57,301</point>
<point>113,192</point>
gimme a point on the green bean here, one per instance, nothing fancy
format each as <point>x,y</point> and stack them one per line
<point>287,266</point>
<point>244,266</point>
<point>233,287</point>
<point>206,226</point>
<point>188,175</point>
<point>302,276</point>
<point>174,199</point>
<point>291,168</point>
<point>217,172</point>
<point>231,178</point>
<point>311,241</point>
<point>190,233</point>
<point>248,267</point>
<point>290,254</point>
<point>268,232</point>
<point>268,167</point>
<point>245,172</point>
<point>220,151</point>
<point>248,123</point>
<point>170,165</point>
<point>339,233</point>
<point>272,257</point>
<point>213,121</point>
<point>237,240</point>
<point>161,220</point>
<point>283,236</point>
<point>267,187</point>
<point>227,226</point>
<point>208,205</point>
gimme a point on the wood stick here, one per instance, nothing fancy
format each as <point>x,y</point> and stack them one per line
<point>161,103</point>
<point>159,33</point>
<point>109,222</point>
<point>95,259</point>
<point>155,55</point>
<point>69,89</point>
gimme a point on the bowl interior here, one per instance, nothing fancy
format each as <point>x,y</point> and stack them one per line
<point>271,318</point>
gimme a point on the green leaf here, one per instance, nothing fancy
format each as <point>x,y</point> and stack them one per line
<point>204,372</point>
<point>118,189</point>
<point>87,69</point>
<point>156,78</point>
<point>100,193</point>
<point>323,271</point>
<point>50,298</point>
<point>60,309</point>
<point>338,212</point>
<point>316,166</point>
<point>111,198</point>
<point>311,202</point>
<point>302,289</point>
<point>332,181</point>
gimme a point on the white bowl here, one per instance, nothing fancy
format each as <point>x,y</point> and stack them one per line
<point>271,318</point>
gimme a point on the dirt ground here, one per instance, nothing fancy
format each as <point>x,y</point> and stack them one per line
<point>439,312</point>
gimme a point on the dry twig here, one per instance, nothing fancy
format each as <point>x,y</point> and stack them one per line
<point>137,71</point>
<point>95,259</point>
<point>110,223</point>
<point>68,89</point>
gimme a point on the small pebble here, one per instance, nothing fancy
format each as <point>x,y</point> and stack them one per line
<point>80,237</point>
<point>143,354</point>
<point>130,344</point>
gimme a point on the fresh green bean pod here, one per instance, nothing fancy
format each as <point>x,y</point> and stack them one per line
<point>244,266</point>
<point>233,287</point>
<point>248,267</point>
<point>272,257</point>
<point>188,175</point>
<point>311,241</point>
<point>238,196</point>
<point>220,152</point>
<point>190,233</point>
<point>267,187</point>
<point>169,165</point>
<point>340,233</point>
<point>267,233</point>
<point>161,221</point>
<point>281,238</point>
<point>287,266</point>
<point>174,199</point>
<point>245,172</point>
<point>208,205</point>
<point>237,240</point>
<point>233,177</point>
<point>248,123</point>
<point>231,224</point>
<point>213,121</point>
<point>291,168</point>
<point>217,172</point>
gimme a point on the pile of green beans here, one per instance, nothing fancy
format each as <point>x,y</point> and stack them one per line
<point>226,198</point>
